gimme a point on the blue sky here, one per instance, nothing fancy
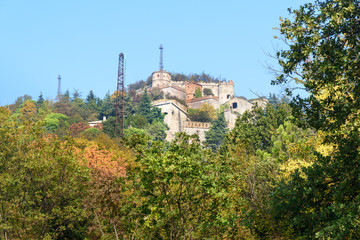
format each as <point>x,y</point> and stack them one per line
<point>81,40</point>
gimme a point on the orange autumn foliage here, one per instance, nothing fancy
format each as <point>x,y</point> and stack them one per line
<point>106,163</point>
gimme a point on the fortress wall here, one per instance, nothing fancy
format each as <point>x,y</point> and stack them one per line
<point>200,101</point>
<point>240,105</point>
<point>198,128</point>
<point>178,84</point>
<point>213,86</point>
<point>174,92</point>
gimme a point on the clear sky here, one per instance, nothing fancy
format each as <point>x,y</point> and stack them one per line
<point>81,40</point>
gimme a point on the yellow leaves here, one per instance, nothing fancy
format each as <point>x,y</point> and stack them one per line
<point>323,94</point>
<point>301,155</point>
<point>209,109</point>
<point>4,114</point>
<point>324,148</point>
<point>298,80</point>
<point>291,165</point>
<point>28,109</point>
<point>330,90</point>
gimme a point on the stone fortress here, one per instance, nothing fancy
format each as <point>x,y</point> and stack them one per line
<point>222,93</point>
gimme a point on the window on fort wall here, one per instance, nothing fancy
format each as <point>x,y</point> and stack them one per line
<point>234,105</point>
<point>228,96</point>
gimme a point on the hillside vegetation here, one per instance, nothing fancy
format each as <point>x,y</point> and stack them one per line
<point>286,171</point>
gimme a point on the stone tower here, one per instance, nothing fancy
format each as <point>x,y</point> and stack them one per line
<point>161,78</point>
<point>226,91</point>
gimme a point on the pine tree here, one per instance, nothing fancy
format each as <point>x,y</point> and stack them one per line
<point>40,100</point>
<point>151,113</point>
<point>145,106</point>
<point>215,136</point>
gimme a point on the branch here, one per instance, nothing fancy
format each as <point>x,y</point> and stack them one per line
<point>97,218</point>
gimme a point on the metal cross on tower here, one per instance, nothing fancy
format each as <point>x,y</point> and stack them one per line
<point>120,98</point>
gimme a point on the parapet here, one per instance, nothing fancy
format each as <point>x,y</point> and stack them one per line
<point>189,124</point>
<point>230,82</point>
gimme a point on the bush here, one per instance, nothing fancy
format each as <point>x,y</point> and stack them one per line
<point>208,92</point>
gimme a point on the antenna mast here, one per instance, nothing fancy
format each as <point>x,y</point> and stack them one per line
<point>59,88</point>
<point>161,58</point>
<point>120,98</point>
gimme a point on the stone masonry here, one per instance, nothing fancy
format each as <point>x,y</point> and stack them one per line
<point>176,113</point>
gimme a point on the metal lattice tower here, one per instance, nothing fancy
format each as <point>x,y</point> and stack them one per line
<point>59,88</point>
<point>120,99</point>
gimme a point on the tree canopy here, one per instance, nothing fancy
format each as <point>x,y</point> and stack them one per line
<point>323,57</point>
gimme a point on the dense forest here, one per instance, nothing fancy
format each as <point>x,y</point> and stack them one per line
<point>286,171</point>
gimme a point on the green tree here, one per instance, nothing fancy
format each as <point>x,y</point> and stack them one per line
<point>258,125</point>
<point>157,130</point>
<point>210,110</point>
<point>107,108</point>
<point>90,133</point>
<point>40,100</point>
<point>19,101</point>
<point>129,132</point>
<point>149,112</point>
<point>90,97</point>
<point>198,115</point>
<point>144,108</point>
<point>44,109</point>
<point>66,107</point>
<point>109,126</point>
<point>76,94</point>
<point>42,184</point>
<point>56,123</point>
<point>215,136</point>
<point>323,56</point>
<point>208,92</point>
<point>67,94</point>
<point>251,179</point>
<point>198,92</point>
<point>91,101</point>
<point>172,206</point>
<point>138,121</point>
